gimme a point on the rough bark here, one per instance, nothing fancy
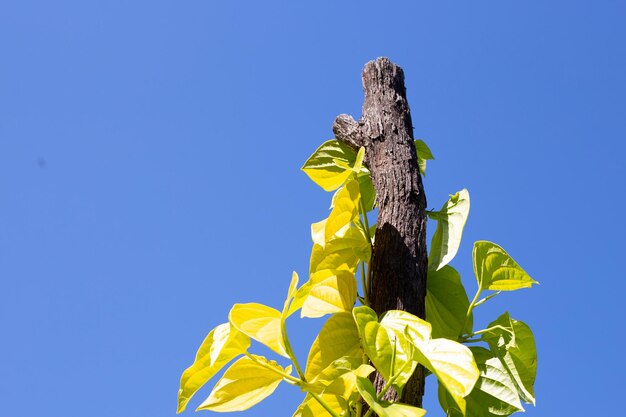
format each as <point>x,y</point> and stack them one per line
<point>399,258</point>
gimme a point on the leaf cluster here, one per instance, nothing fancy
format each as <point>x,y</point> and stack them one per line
<point>492,379</point>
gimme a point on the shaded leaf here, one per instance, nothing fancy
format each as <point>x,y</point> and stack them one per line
<point>423,154</point>
<point>447,303</point>
<point>385,408</point>
<point>327,167</point>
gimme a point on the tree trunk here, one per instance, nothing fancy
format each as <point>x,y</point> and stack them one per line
<point>399,258</point>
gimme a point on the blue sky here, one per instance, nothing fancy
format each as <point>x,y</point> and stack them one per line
<point>149,173</point>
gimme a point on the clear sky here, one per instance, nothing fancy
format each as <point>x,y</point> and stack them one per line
<point>149,179</point>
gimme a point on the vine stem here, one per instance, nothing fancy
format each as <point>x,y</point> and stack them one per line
<point>366,281</point>
<point>323,404</point>
<point>469,312</point>
<point>289,350</point>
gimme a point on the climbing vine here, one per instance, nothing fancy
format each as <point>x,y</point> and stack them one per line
<point>485,372</point>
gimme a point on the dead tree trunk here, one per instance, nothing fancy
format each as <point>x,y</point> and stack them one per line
<point>399,258</point>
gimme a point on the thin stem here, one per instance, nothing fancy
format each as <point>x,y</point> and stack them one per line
<point>489,297</point>
<point>364,285</point>
<point>289,350</point>
<point>323,404</point>
<point>469,311</point>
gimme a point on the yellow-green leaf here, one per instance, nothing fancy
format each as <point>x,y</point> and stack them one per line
<point>452,363</point>
<point>493,395</point>
<point>496,270</point>
<point>310,407</point>
<point>447,303</point>
<point>399,321</point>
<point>327,292</point>
<point>423,154</point>
<point>513,343</point>
<point>246,383</point>
<point>385,408</point>
<point>390,352</point>
<point>338,337</point>
<point>329,166</point>
<point>260,322</point>
<point>450,224</point>
<point>345,210</point>
<point>344,251</point>
<point>221,345</point>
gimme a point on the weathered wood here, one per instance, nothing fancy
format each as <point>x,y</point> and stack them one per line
<point>399,258</point>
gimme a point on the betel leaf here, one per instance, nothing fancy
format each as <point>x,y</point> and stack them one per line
<point>452,363</point>
<point>311,407</point>
<point>494,394</point>
<point>246,383</point>
<point>423,154</point>
<point>398,322</point>
<point>338,338</point>
<point>513,342</point>
<point>330,165</point>
<point>392,355</point>
<point>222,344</point>
<point>447,303</point>
<point>345,384</point>
<point>368,193</point>
<point>496,270</point>
<point>385,408</point>
<point>450,223</point>
<point>261,323</point>
<point>345,210</point>
<point>326,292</point>
<point>318,383</point>
<point>343,252</point>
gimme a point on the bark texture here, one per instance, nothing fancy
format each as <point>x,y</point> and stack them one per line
<point>399,258</point>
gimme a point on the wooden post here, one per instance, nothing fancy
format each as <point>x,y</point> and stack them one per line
<point>399,258</point>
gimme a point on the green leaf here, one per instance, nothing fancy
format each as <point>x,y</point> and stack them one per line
<point>450,224</point>
<point>338,338</point>
<point>368,193</point>
<point>398,321</point>
<point>496,270</point>
<point>246,383</point>
<point>494,394</point>
<point>452,363</point>
<point>423,153</point>
<point>447,303</point>
<point>261,323</point>
<point>222,344</point>
<point>329,166</point>
<point>513,343</point>
<point>310,407</point>
<point>327,292</point>
<point>389,351</point>
<point>385,408</point>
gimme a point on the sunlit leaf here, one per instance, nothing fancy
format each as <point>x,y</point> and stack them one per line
<point>345,384</point>
<point>338,338</point>
<point>447,303</point>
<point>222,344</point>
<point>345,210</point>
<point>494,394</point>
<point>513,342</point>
<point>244,384</point>
<point>452,363</point>
<point>398,321</point>
<point>450,223</point>
<point>496,270</point>
<point>423,154</point>
<point>385,408</point>
<point>329,165</point>
<point>327,292</point>
<point>261,323</point>
<point>310,407</point>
